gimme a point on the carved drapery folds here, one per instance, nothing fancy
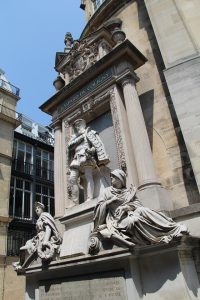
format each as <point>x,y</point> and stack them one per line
<point>121,218</point>
<point>45,244</point>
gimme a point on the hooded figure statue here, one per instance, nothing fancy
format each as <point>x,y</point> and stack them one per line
<point>120,216</point>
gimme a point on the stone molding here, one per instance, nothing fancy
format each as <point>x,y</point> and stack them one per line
<point>57,125</point>
<point>128,78</point>
<point>117,131</point>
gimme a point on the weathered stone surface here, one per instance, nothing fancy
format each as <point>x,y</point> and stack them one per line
<point>184,86</point>
<point>102,286</point>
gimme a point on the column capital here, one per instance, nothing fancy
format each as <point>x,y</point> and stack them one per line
<point>57,124</point>
<point>128,78</point>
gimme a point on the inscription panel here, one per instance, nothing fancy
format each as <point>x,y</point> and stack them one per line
<point>104,286</point>
<point>102,78</point>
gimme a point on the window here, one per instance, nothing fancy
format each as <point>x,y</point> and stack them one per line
<point>44,164</point>
<point>22,157</point>
<point>45,195</point>
<point>26,124</point>
<point>20,199</point>
<point>17,238</point>
<point>97,3</point>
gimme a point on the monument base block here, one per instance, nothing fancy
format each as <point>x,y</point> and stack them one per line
<point>150,272</point>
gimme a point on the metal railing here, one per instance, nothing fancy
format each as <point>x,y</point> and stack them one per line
<point>46,137</point>
<point>9,87</point>
<point>10,113</point>
<point>27,168</point>
<point>45,173</point>
<point>16,239</point>
<point>22,166</point>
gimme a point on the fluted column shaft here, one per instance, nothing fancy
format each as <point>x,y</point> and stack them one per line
<point>138,132</point>
<point>58,172</point>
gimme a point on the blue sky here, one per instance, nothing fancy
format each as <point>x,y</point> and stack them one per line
<point>32,31</point>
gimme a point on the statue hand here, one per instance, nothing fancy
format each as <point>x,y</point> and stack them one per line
<point>114,198</point>
<point>119,212</point>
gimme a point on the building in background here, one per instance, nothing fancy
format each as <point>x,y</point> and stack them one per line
<point>9,120</point>
<point>32,179</point>
<point>26,176</point>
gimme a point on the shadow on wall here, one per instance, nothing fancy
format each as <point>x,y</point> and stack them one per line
<point>185,172</point>
<point>147,103</point>
<point>1,175</point>
<point>164,276</point>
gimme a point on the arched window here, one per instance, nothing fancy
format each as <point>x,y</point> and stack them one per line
<point>97,3</point>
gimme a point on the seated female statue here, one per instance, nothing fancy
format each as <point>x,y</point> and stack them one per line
<point>120,216</point>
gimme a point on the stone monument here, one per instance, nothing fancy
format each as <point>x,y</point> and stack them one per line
<point>120,244</point>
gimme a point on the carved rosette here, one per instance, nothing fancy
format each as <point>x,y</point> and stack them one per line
<point>117,131</point>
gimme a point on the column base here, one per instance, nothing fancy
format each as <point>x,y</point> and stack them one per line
<point>154,196</point>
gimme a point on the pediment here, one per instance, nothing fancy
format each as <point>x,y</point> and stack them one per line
<point>84,53</point>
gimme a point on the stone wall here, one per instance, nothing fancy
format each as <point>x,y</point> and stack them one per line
<point>12,287</point>
<point>160,117</point>
<point>6,142</point>
<point>176,26</point>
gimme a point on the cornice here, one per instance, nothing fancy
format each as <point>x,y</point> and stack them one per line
<point>126,51</point>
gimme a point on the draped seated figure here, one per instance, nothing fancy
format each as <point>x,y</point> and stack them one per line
<point>45,244</point>
<point>86,152</point>
<point>121,217</point>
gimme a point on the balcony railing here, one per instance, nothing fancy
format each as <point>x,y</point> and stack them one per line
<point>27,168</point>
<point>9,87</point>
<point>21,166</point>
<point>10,113</point>
<point>45,173</point>
<point>46,137</point>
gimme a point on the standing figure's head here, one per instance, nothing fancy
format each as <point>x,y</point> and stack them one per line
<point>118,179</point>
<point>39,208</point>
<point>79,126</point>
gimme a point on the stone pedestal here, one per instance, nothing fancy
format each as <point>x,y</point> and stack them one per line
<point>150,272</point>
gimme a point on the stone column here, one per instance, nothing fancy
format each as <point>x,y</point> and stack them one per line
<point>58,172</point>
<point>138,132</point>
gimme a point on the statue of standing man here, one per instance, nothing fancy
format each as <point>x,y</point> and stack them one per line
<point>86,152</point>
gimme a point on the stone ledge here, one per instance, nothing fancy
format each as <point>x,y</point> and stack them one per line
<point>185,211</point>
<point>185,242</point>
<point>78,211</point>
<point>86,209</point>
